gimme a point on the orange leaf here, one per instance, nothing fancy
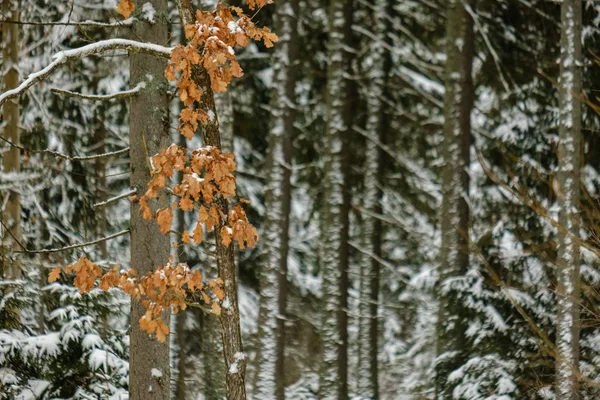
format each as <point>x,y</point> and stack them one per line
<point>164,217</point>
<point>226,235</point>
<point>125,8</point>
<point>185,238</point>
<point>54,274</point>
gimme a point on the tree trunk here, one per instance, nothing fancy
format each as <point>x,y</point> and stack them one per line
<point>458,103</point>
<point>273,281</point>
<point>101,190</point>
<point>230,317</point>
<point>11,159</point>
<point>568,180</point>
<point>334,250</point>
<point>149,373</point>
<point>377,127</point>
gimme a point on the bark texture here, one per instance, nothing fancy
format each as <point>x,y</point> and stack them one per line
<point>11,160</point>
<point>149,133</point>
<point>334,250</point>
<point>273,277</point>
<point>458,103</point>
<point>233,353</point>
<point>377,127</point>
<point>568,181</point>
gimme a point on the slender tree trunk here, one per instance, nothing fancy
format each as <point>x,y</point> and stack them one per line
<point>568,180</point>
<point>149,373</point>
<point>11,160</point>
<point>273,282</point>
<point>235,359</point>
<point>334,250</point>
<point>182,359</point>
<point>101,190</point>
<point>377,127</point>
<point>458,103</point>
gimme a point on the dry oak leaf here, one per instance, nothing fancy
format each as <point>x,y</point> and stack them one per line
<point>164,217</point>
<point>54,274</point>
<point>125,8</point>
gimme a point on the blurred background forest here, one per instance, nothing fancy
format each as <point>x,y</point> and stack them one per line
<point>423,174</point>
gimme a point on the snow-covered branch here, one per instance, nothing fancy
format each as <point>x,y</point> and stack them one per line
<point>114,199</point>
<point>83,24</point>
<point>95,48</point>
<point>67,157</point>
<point>74,246</point>
<point>102,97</point>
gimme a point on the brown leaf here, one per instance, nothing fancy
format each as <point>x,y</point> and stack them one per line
<point>54,274</point>
<point>164,217</point>
<point>125,8</point>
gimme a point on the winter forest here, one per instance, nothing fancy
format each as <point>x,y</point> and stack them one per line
<point>300,199</point>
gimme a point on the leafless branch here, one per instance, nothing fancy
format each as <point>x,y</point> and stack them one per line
<point>66,157</point>
<point>95,48</point>
<point>83,24</point>
<point>74,246</point>
<point>115,199</point>
<point>101,97</point>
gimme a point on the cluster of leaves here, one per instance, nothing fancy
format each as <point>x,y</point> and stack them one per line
<point>210,45</point>
<point>208,173</point>
<point>169,286</point>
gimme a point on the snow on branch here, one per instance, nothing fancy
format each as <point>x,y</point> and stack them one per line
<point>74,54</point>
<point>74,246</point>
<point>114,199</point>
<point>83,24</point>
<point>102,97</point>
<point>67,157</point>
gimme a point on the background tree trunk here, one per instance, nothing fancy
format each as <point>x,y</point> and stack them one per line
<point>377,128</point>
<point>11,159</point>
<point>149,133</point>
<point>334,251</point>
<point>458,103</point>
<point>568,180</point>
<point>273,279</point>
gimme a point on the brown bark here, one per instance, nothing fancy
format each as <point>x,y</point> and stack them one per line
<point>11,160</point>
<point>149,133</point>
<point>230,317</point>
<point>455,214</point>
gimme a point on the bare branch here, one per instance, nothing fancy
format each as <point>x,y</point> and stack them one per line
<point>114,199</point>
<point>83,24</point>
<point>74,246</point>
<point>101,97</point>
<point>66,157</point>
<point>95,48</point>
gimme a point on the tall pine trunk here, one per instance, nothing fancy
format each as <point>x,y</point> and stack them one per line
<point>377,127</point>
<point>458,103</point>
<point>149,373</point>
<point>334,250</point>
<point>273,281</point>
<point>568,182</point>
<point>233,353</point>
<point>11,159</point>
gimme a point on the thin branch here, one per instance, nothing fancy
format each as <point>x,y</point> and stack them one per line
<point>11,234</point>
<point>66,157</point>
<point>115,199</point>
<point>74,246</point>
<point>63,57</point>
<point>102,97</point>
<point>94,24</point>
